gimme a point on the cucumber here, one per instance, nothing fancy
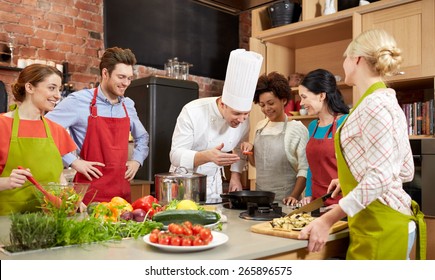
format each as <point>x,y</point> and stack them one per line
<point>180,216</point>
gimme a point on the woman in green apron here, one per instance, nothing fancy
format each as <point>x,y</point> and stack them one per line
<point>28,139</point>
<point>374,159</point>
<point>279,154</point>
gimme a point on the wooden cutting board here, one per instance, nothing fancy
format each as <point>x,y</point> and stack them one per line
<point>266,228</point>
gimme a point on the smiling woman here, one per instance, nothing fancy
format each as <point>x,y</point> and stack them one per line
<point>278,151</point>
<point>28,139</point>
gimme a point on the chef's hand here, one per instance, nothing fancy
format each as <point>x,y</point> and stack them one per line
<point>289,200</point>
<point>221,158</point>
<point>87,168</point>
<point>15,180</point>
<point>235,182</point>
<point>306,200</point>
<point>334,185</point>
<point>132,167</point>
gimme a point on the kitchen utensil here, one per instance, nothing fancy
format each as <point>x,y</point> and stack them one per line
<point>52,198</point>
<point>180,185</point>
<point>240,199</point>
<point>313,205</point>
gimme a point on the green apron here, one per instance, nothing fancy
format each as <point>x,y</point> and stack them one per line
<point>377,232</point>
<point>42,156</point>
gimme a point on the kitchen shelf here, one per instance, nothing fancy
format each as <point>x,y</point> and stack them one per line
<point>11,68</point>
<point>419,137</point>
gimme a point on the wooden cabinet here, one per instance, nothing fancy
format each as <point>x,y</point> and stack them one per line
<point>319,41</point>
<point>412,25</point>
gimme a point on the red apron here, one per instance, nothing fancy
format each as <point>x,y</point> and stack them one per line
<point>322,162</point>
<point>106,141</point>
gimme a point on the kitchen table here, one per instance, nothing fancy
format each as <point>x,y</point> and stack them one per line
<point>242,245</point>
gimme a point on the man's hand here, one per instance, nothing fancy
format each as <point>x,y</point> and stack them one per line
<point>87,168</point>
<point>217,156</point>
<point>235,182</point>
<point>132,167</point>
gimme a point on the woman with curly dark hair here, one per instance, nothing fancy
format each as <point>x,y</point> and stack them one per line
<point>278,152</point>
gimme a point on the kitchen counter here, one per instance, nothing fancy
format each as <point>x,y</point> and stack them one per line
<point>242,244</point>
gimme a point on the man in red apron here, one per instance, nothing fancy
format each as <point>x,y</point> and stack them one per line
<point>100,121</point>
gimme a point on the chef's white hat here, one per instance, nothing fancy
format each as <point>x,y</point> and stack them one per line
<point>241,79</point>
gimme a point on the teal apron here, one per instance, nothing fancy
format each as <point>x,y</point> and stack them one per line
<point>42,156</point>
<point>377,232</point>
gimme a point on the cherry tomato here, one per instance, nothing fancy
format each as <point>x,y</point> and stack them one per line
<point>164,239</point>
<point>188,224</point>
<point>176,241</point>
<point>196,229</point>
<point>198,241</point>
<point>187,231</point>
<point>186,241</point>
<point>205,234</point>
<point>154,238</point>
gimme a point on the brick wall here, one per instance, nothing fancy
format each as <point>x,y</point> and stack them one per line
<point>72,31</point>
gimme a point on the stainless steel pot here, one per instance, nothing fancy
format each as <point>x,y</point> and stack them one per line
<point>180,185</point>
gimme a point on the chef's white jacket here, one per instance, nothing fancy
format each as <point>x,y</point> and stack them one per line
<point>200,126</point>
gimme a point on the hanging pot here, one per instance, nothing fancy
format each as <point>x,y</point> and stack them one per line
<point>180,185</point>
<point>240,199</point>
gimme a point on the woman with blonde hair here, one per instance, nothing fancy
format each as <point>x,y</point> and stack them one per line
<point>374,159</point>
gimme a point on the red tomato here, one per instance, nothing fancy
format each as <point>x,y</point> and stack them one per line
<point>198,241</point>
<point>154,238</point>
<point>205,234</point>
<point>164,239</point>
<point>186,241</point>
<point>176,241</point>
<point>187,231</point>
<point>188,224</point>
<point>196,229</point>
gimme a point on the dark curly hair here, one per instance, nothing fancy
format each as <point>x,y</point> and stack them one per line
<point>275,83</point>
<point>321,80</point>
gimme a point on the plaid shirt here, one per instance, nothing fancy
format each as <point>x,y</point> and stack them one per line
<point>375,144</point>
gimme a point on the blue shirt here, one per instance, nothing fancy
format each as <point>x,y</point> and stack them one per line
<point>73,112</point>
<point>320,134</point>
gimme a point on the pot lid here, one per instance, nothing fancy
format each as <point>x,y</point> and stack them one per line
<point>181,172</point>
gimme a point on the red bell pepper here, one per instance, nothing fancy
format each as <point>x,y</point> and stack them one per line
<point>148,203</point>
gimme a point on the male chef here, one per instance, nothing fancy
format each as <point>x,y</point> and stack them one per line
<point>209,131</point>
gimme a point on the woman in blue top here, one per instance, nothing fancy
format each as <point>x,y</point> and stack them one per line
<point>320,96</point>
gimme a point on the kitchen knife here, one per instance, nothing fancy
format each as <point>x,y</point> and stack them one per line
<point>313,205</point>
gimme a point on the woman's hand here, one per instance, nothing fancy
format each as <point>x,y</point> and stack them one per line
<point>16,179</point>
<point>247,148</point>
<point>235,182</point>
<point>87,168</point>
<point>306,200</point>
<point>334,185</point>
<point>289,200</point>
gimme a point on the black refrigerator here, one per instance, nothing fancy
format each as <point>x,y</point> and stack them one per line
<point>158,101</point>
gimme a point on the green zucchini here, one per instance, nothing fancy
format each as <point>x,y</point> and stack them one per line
<point>180,216</point>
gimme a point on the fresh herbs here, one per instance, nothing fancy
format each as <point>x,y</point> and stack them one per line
<point>33,231</point>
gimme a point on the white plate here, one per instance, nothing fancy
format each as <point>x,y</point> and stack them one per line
<point>210,226</point>
<point>218,239</point>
